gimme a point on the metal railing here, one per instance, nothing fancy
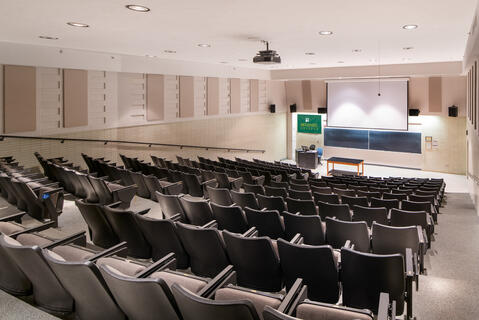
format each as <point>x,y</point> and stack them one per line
<point>149,144</point>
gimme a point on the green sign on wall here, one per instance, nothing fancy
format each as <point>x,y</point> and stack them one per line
<point>309,123</point>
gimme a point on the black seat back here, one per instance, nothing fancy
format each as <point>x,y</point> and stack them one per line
<point>274,191</point>
<point>389,240</point>
<point>310,228</point>
<point>197,212</point>
<point>305,207</point>
<point>301,195</point>
<point>355,201</point>
<point>253,188</point>
<point>403,218</point>
<point>267,222</point>
<point>230,218</point>
<point>328,198</point>
<point>368,214</point>
<point>244,199</point>
<point>205,248</point>
<point>220,196</point>
<point>340,211</point>
<point>271,202</point>
<point>386,203</point>
<point>338,232</point>
<point>170,205</point>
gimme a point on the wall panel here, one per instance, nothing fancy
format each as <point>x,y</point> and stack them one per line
<point>172,97</point>
<point>213,96</point>
<point>254,95</point>
<point>235,95</point>
<point>49,99</point>
<point>435,94</point>
<point>19,99</point>
<point>155,97</point>
<point>75,98</point>
<point>187,97</point>
<point>245,95</point>
<point>200,96</point>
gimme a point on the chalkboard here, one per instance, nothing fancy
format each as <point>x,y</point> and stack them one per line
<point>395,141</point>
<point>346,138</point>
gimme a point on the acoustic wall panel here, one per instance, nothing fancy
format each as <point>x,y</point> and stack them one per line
<point>212,96</point>
<point>131,98</point>
<point>19,98</point>
<point>346,138</point>
<point>155,97</point>
<point>101,90</point>
<point>254,95</point>
<point>245,95</point>
<point>307,97</point>
<point>235,95</point>
<point>263,97</point>
<point>187,97</point>
<point>49,98</point>
<point>75,98</point>
<point>199,96</point>
<point>435,94</point>
<point>172,97</point>
<point>395,141</point>
<point>225,96</point>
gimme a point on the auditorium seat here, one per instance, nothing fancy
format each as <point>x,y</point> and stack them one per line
<point>310,227</point>
<point>170,205</point>
<point>244,254</point>
<point>195,187</point>
<point>355,201</point>
<point>338,232</point>
<point>368,194</point>
<point>205,248</point>
<point>271,203</point>
<point>268,222</point>
<point>154,184</point>
<point>250,179</point>
<point>282,184</point>
<point>397,196</point>
<point>370,214</point>
<point>321,190</point>
<point>402,218</point>
<point>231,183</point>
<point>328,198</point>
<point>109,192</point>
<point>244,199</point>
<point>420,206</point>
<point>316,265</point>
<point>197,211</point>
<point>344,192</point>
<point>253,188</point>
<point>275,191</point>
<point>100,230</point>
<point>339,211</point>
<point>230,218</point>
<point>299,187</point>
<point>305,207</point>
<point>300,195</point>
<point>162,236</point>
<point>384,203</point>
<point>220,196</point>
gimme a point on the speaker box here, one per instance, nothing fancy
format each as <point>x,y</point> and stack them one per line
<point>292,108</point>
<point>322,110</point>
<point>413,112</point>
<point>452,111</point>
<point>272,108</point>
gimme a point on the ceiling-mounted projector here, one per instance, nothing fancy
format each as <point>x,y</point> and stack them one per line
<point>267,56</point>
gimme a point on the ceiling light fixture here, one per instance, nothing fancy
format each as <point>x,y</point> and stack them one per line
<point>340,61</point>
<point>312,63</point>
<point>137,8</point>
<point>357,50</point>
<point>408,48</point>
<point>309,53</point>
<point>242,60</point>
<point>48,38</point>
<point>410,26</point>
<point>325,33</point>
<point>78,24</point>
<point>204,45</point>
<point>224,62</point>
<point>169,51</point>
<point>150,56</point>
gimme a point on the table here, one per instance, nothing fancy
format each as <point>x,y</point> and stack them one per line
<point>346,161</point>
<point>307,159</point>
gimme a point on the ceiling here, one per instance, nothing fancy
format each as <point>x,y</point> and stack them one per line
<point>233,29</point>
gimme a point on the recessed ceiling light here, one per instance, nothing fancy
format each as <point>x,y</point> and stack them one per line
<point>242,59</point>
<point>223,62</point>
<point>48,38</point>
<point>312,63</point>
<point>138,8</point>
<point>340,61</point>
<point>169,51</point>
<point>325,33</point>
<point>204,45</point>
<point>150,56</point>
<point>78,24</point>
<point>309,53</point>
<point>410,26</point>
<point>356,50</point>
<point>408,48</point>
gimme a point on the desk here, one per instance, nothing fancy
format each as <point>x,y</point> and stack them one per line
<point>346,161</point>
<point>307,159</point>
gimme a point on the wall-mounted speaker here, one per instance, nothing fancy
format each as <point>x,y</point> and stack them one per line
<point>452,111</point>
<point>414,112</point>
<point>323,110</point>
<point>272,108</point>
<point>292,108</point>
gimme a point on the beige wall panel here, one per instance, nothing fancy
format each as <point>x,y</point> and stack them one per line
<point>254,95</point>
<point>454,93</point>
<point>235,87</point>
<point>307,99</point>
<point>19,99</point>
<point>212,96</point>
<point>419,94</point>
<point>187,97</point>
<point>277,95</point>
<point>75,98</point>
<point>294,94</point>
<point>318,94</point>
<point>155,97</point>
<point>435,94</point>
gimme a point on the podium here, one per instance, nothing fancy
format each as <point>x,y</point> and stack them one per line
<point>307,159</point>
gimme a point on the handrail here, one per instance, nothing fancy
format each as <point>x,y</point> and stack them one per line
<point>149,144</point>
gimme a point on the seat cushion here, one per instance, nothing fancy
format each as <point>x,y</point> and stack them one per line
<point>12,241</point>
<point>70,253</point>
<point>190,283</point>
<point>310,311</point>
<point>9,228</point>
<point>28,239</point>
<point>259,300</point>
<point>124,266</point>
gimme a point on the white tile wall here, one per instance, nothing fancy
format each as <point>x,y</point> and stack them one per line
<point>263,97</point>
<point>245,95</point>
<point>131,98</point>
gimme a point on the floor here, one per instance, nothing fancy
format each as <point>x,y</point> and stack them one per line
<point>448,291</point>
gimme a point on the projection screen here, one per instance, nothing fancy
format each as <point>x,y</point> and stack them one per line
<point>356,104</point>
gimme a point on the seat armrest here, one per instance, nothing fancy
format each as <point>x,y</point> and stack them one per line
<point>143,212</point>
<point>176,217</point>
<point>225,277</point>
<point>211,224</point>
<point>125,194</point>
<point>13,217</point>
<point>297,239</point>
<point>383,308</point>
<point>116,249</point>
<point>167,262</point>
<point>295,294</point>
<point>409,279</point>
<point>348,245</point>
<point>250,233</point>
<point>76,237</point>
<point>33,229</point>
<point>114,204</point>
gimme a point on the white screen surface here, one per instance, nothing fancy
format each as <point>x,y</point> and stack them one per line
<point>356,104</point>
